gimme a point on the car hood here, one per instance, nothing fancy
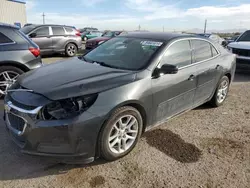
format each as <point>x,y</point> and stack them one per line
<point>240,45</point>
<point>72,78</point>
<point>99,39</point>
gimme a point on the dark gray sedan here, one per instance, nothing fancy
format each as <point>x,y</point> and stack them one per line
<point>100,104</point>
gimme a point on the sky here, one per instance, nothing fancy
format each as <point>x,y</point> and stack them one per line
<point>153,15</point>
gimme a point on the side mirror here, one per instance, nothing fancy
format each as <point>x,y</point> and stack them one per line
<point>32,35</point>
<point>165,69</point>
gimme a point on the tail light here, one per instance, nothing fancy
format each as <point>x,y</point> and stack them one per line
<point>78,33</point>
<point>35,51</point>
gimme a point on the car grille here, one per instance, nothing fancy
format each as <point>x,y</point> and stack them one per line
<point>241,52</point>
<point>16,122</point>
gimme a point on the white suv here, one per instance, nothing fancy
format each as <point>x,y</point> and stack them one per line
<point>241,47</point>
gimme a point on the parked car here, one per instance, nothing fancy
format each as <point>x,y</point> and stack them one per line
<point>90,34</point>
<point>231,39</point>
<point>214,38</point>
<point>55,38</point>
<point>18,54</point>
<point>87,29</point>
<point>94,42</point>
<point>100,104</point>
<point>241,47</point>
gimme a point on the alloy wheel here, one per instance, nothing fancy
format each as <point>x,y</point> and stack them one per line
<point>7,78</point>
<point>71,50</point>
<point>123,134</point>
<point>222,91</point>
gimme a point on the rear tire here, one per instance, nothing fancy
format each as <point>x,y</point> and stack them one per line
<point>8,75</point>
<point>70,50</point>
<point>221,92</point>
<point>120,133</point>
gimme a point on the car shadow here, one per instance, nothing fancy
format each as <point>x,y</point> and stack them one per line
<point>173,145</point>
<point>242,77</point>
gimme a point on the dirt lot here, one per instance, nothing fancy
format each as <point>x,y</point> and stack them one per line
<point>203,148</point>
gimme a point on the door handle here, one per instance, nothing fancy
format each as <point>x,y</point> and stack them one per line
<point>191,77</point>
<point>218,67</point>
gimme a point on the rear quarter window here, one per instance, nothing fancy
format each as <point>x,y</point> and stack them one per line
<point>69,30</point>
<point>4,39</point>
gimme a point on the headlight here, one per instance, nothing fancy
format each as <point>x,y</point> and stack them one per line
<point>100,42</point>
<point>67,108</point>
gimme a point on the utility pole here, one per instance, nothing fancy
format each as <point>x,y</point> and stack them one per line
<point>43,15</point>
<point>205,26</point>
<point>163,28</point>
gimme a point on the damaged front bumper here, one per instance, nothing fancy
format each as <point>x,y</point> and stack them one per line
<point>71,138</point>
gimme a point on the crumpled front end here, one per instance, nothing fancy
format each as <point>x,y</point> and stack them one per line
<point>70,137</point>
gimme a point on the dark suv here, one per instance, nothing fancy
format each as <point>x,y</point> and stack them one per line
<point>55,38</point>
<point>18,54</point>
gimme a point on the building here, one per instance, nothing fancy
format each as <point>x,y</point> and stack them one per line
<point>13,12</point>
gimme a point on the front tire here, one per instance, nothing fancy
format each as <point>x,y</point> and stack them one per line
<point>120,133</point>
<point>70,50</point>
<point>221,92</point>
<point>8,75</point>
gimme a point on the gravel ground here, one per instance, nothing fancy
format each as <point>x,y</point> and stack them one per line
<point>205,148</point>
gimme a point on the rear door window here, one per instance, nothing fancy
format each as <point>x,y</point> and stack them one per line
<point>178,54</point>
<point>201,50</point>
<point>58,31</point>
<point>4,39</point>
<point>43,31</point>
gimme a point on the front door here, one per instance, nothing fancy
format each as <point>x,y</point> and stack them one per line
<point>43,39</point>
<point>174,93</point>
<point>207,68</point>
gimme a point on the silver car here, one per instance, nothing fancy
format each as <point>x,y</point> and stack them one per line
<point>55,38</point>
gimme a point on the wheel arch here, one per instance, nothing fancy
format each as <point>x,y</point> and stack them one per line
<point>72,42</point>
<point>15,64</point>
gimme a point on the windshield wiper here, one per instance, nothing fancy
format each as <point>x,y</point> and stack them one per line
<point>104,64</point>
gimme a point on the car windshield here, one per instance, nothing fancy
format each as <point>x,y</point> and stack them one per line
<point>244,37</point>
<point>108,34</point>
<point>27,29</point>
<point>124,53</point>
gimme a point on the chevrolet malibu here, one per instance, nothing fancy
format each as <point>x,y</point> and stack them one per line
<point>98,105</point>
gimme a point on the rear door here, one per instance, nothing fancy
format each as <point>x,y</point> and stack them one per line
<point>59,38</point>
<point>42,39</point>
<point>208,69</point>
<point>174,93</point>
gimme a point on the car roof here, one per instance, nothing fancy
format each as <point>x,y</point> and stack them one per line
<point>158,35</point>
<point>8,26</point>
<point>38,25</point>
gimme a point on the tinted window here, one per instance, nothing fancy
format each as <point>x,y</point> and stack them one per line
<point>214,51</point>
<point>44,31</point>
<point>69,30</point>
<point>58,31</point>
<point>178,54</point>
<point>4,39</point>
<point>245,36</point>
<point>124,53</point>
<point>27,29</point>
<point>202,50</point>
